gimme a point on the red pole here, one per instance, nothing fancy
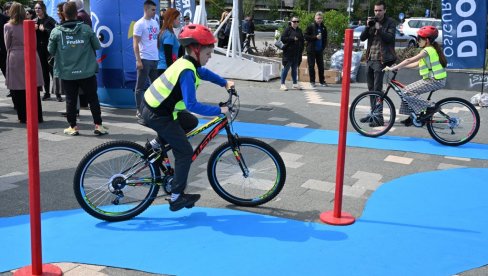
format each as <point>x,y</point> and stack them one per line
<point>33,156</point>
<point>337,217</point>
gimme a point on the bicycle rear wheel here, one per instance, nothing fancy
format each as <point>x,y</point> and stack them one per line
<point>371,116</point>
<point>265,177</point>
<point>115,182</point>
<point>456,122</point>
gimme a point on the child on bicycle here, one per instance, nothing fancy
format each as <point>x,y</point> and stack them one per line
<point>431,63</point>
<point>169,99</point>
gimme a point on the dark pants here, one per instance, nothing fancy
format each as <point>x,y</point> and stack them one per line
<point>312,58</point>
<point>173,132</point>
<point>20,103</point>
<point>145,77</point>
<point>89,87</point>
<point>47,70</point>
<point>3,63</point>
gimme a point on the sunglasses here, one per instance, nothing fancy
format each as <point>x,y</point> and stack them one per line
<point>296,21</point>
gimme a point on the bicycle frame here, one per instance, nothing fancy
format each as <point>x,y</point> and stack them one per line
<point>398,88</point>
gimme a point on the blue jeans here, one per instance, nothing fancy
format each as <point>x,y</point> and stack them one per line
<point>149,72</point>
<point>294,72</point>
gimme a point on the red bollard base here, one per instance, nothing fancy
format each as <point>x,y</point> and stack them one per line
<point>329,218</point>
<point>47,269</point>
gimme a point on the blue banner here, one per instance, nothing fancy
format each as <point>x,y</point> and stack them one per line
<point>464,41</point>
<point>186,8</point>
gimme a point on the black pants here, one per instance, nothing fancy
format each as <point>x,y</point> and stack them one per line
<point>312,58</point>
<point>174,132</point>
<point>47,70</point>
<point>89,87</point>
<point>20,103</point>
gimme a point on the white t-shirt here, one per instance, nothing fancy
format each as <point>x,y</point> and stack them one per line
<point>148,30</point>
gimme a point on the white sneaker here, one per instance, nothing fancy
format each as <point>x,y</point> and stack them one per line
<point>100,130</point>
<point>297,86</point>
<point>283,88</point>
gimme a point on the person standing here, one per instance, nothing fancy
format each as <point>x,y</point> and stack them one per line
<point>73,46</point>
<point>380,52</point>
<point>316,37</point>
<point>81,14</point>
<point>3,51</point>
<point>293,39</point>
<point>15,75</point>
<point>168,41</point>
<point>43,26</point>
<point>146,52</point>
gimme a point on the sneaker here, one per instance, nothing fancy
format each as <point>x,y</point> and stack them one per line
<point>407,122</point>
<point>428,113</point>
<point>376,122</point>
<point>297,86</point>
<point>46,96</point>
<point>100,130</point>
<point>366,119</point>
<point>323,84</point>
<point>59,98</point>
<point>73,131</point>
<point>312,84</point>
<point>183,201</point>
<point>283,87</point>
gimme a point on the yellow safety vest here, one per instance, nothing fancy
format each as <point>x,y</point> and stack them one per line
<point>430,65</point>
<point>162,87</point>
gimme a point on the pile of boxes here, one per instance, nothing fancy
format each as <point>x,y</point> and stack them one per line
<point>331,76</point>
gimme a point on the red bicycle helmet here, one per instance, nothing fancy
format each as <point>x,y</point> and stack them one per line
<point>196,34</point>
<point>429,32</point>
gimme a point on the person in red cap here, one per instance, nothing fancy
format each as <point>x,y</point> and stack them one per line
<point>170,99</point>
<point>432,63</point>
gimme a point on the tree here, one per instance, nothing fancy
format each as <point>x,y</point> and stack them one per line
<point>248,6</point>
<point>336,23</point>
<point>215,8</point>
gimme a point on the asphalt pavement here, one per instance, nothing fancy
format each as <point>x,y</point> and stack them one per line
<point>311,167</point>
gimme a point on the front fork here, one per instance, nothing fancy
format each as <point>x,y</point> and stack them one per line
<point>233,139</point>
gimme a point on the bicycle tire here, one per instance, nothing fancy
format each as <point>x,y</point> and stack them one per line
<point>266,167</point>
<point>98,182</point>
<point>361,110</point>
<point>456,123</point>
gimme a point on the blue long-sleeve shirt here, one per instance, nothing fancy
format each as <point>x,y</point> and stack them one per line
<point>188,91</point>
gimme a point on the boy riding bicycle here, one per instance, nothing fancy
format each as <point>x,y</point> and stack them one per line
<point>431,62</point>
<point>169,99</point>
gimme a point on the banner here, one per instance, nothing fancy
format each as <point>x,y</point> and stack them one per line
<point>186,8</point>
<point>464,41</point>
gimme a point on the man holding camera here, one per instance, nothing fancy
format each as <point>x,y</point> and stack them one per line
<point>380,33</point>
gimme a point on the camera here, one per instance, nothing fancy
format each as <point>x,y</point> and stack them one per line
<point>372,21</point>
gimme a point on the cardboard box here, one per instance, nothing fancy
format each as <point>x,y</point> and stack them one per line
<point>333,76</point>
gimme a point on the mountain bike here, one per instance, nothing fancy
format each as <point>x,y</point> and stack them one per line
<point>455,122</point>
<point>118,180</point>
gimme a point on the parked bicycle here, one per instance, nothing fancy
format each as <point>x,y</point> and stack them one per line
<point>246,48</point>
<point>118,180</point>
<point>456,122</point>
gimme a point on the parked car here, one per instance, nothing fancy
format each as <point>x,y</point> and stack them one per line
<point>213,23</point>
<point>411,25</point>
<point>401,40</point>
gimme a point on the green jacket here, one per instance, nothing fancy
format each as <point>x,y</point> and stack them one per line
<point>73,46</point>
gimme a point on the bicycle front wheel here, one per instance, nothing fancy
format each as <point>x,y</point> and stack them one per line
<point>456,122</point>
<point>115,182</point>
<point>259,180</point>
<point>371,115</point>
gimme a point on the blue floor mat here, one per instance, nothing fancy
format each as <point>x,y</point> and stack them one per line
<point>386,142</point>
<point>431,223</point>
